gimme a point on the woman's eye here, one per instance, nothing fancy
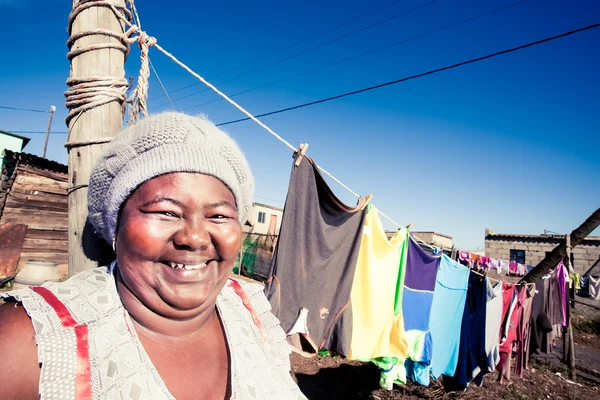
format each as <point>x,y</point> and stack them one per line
<point>169,214</point>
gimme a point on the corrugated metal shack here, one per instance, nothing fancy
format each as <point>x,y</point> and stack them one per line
<point>33,191</point>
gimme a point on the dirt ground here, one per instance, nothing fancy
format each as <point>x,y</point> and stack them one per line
<point>325,377</point>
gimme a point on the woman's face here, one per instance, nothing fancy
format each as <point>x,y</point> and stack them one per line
<point>177,241</point>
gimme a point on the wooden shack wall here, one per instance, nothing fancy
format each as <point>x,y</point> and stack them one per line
<point>38,198</point>
<point>7,178</point>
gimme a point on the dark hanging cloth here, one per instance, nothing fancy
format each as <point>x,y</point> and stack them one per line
<point>540,323</point>
<point>472,356</point>
<point>554,310</point>
<point>524,332</point>
<point>314,263</point>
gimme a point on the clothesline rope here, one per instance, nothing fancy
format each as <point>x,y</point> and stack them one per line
<point>148,41</point>
<point>152,42</point>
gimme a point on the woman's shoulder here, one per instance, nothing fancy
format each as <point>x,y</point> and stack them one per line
<point>19,353</point>
<point>252,295</point>
<point>255,302</point>
<point>87,296</point>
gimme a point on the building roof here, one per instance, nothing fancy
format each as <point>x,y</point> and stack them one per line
<point>518,236</point>
<point>267,206</point>
<point>35,161</point>
<point>434,233</point>
<point>24,138</point>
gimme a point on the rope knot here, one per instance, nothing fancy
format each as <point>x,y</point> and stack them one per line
<point>145,40</point>
<point>140,95</point>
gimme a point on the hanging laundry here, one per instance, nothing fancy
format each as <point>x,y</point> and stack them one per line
<point>419,285</point>
<point>464,257</point>
<point>584,290</point>
<point>493,322</point>
<point>521,269</point>
<point>377,321</point>
<point>540,323</point>
<point>472,357</point>
<point>563,280</point>
<point>528,269</point>
<point>590,287</point>
<point>510,329</point>
<point>314,262</point>
<point>513,269</point>
<point>445,320</point>
<point>575,279</point>
<point>508,306</point>
<point>475,260</point>
<point>485,262</point>
<point>508,292</point>
<point>503,265</point>
<point>554,309</point>
<point>524,332</point>
<point>495,264</point>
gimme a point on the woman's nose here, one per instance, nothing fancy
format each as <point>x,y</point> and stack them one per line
<point>193,235</point>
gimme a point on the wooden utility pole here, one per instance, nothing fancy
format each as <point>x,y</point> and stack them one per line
<point>85,249</point>
<point>52,109</point>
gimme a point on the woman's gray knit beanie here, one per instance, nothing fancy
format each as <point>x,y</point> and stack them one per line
<point>158,145</point>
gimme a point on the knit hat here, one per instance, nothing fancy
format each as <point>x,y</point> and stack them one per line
<point>158,145</point>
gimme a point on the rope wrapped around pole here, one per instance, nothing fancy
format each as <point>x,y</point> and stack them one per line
<point>99,42</point>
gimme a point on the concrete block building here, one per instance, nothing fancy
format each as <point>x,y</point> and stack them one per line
<point>531,249</point>
<point>435,239</point>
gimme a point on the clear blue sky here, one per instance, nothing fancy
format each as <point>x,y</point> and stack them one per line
<point>511,143</point>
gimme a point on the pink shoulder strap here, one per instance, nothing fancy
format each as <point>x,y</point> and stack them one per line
<point>242,294</point>
<point>83,380</point>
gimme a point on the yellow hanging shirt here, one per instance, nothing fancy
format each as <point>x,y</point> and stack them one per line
<point>377,322</point>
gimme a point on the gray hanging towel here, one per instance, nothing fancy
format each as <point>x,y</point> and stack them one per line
<point>314,262</point>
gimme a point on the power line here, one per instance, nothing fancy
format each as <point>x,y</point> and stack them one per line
<point>24,109</point>
<point>309,50</point>
<point>434,71</point>
<point>39,132</point>
<point>160,82</point>
<point>294,44</point>
<point>36,95</point>
<point>365,53</point>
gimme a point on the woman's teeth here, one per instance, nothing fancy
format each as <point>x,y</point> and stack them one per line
<point>187,267</point>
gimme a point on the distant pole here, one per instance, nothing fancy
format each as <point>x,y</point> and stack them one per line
<point>558,253</point>
<point>571,342</point>
<point>52,109</point>
<point>95,57</point>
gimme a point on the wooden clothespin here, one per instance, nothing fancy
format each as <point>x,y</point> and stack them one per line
<point>300,153</point>
<point>367,201</point>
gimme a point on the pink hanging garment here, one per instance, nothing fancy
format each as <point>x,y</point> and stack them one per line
<point>485,262</point>
<point>513,268</point>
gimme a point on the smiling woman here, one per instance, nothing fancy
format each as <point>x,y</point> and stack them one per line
<point>164,320</point>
